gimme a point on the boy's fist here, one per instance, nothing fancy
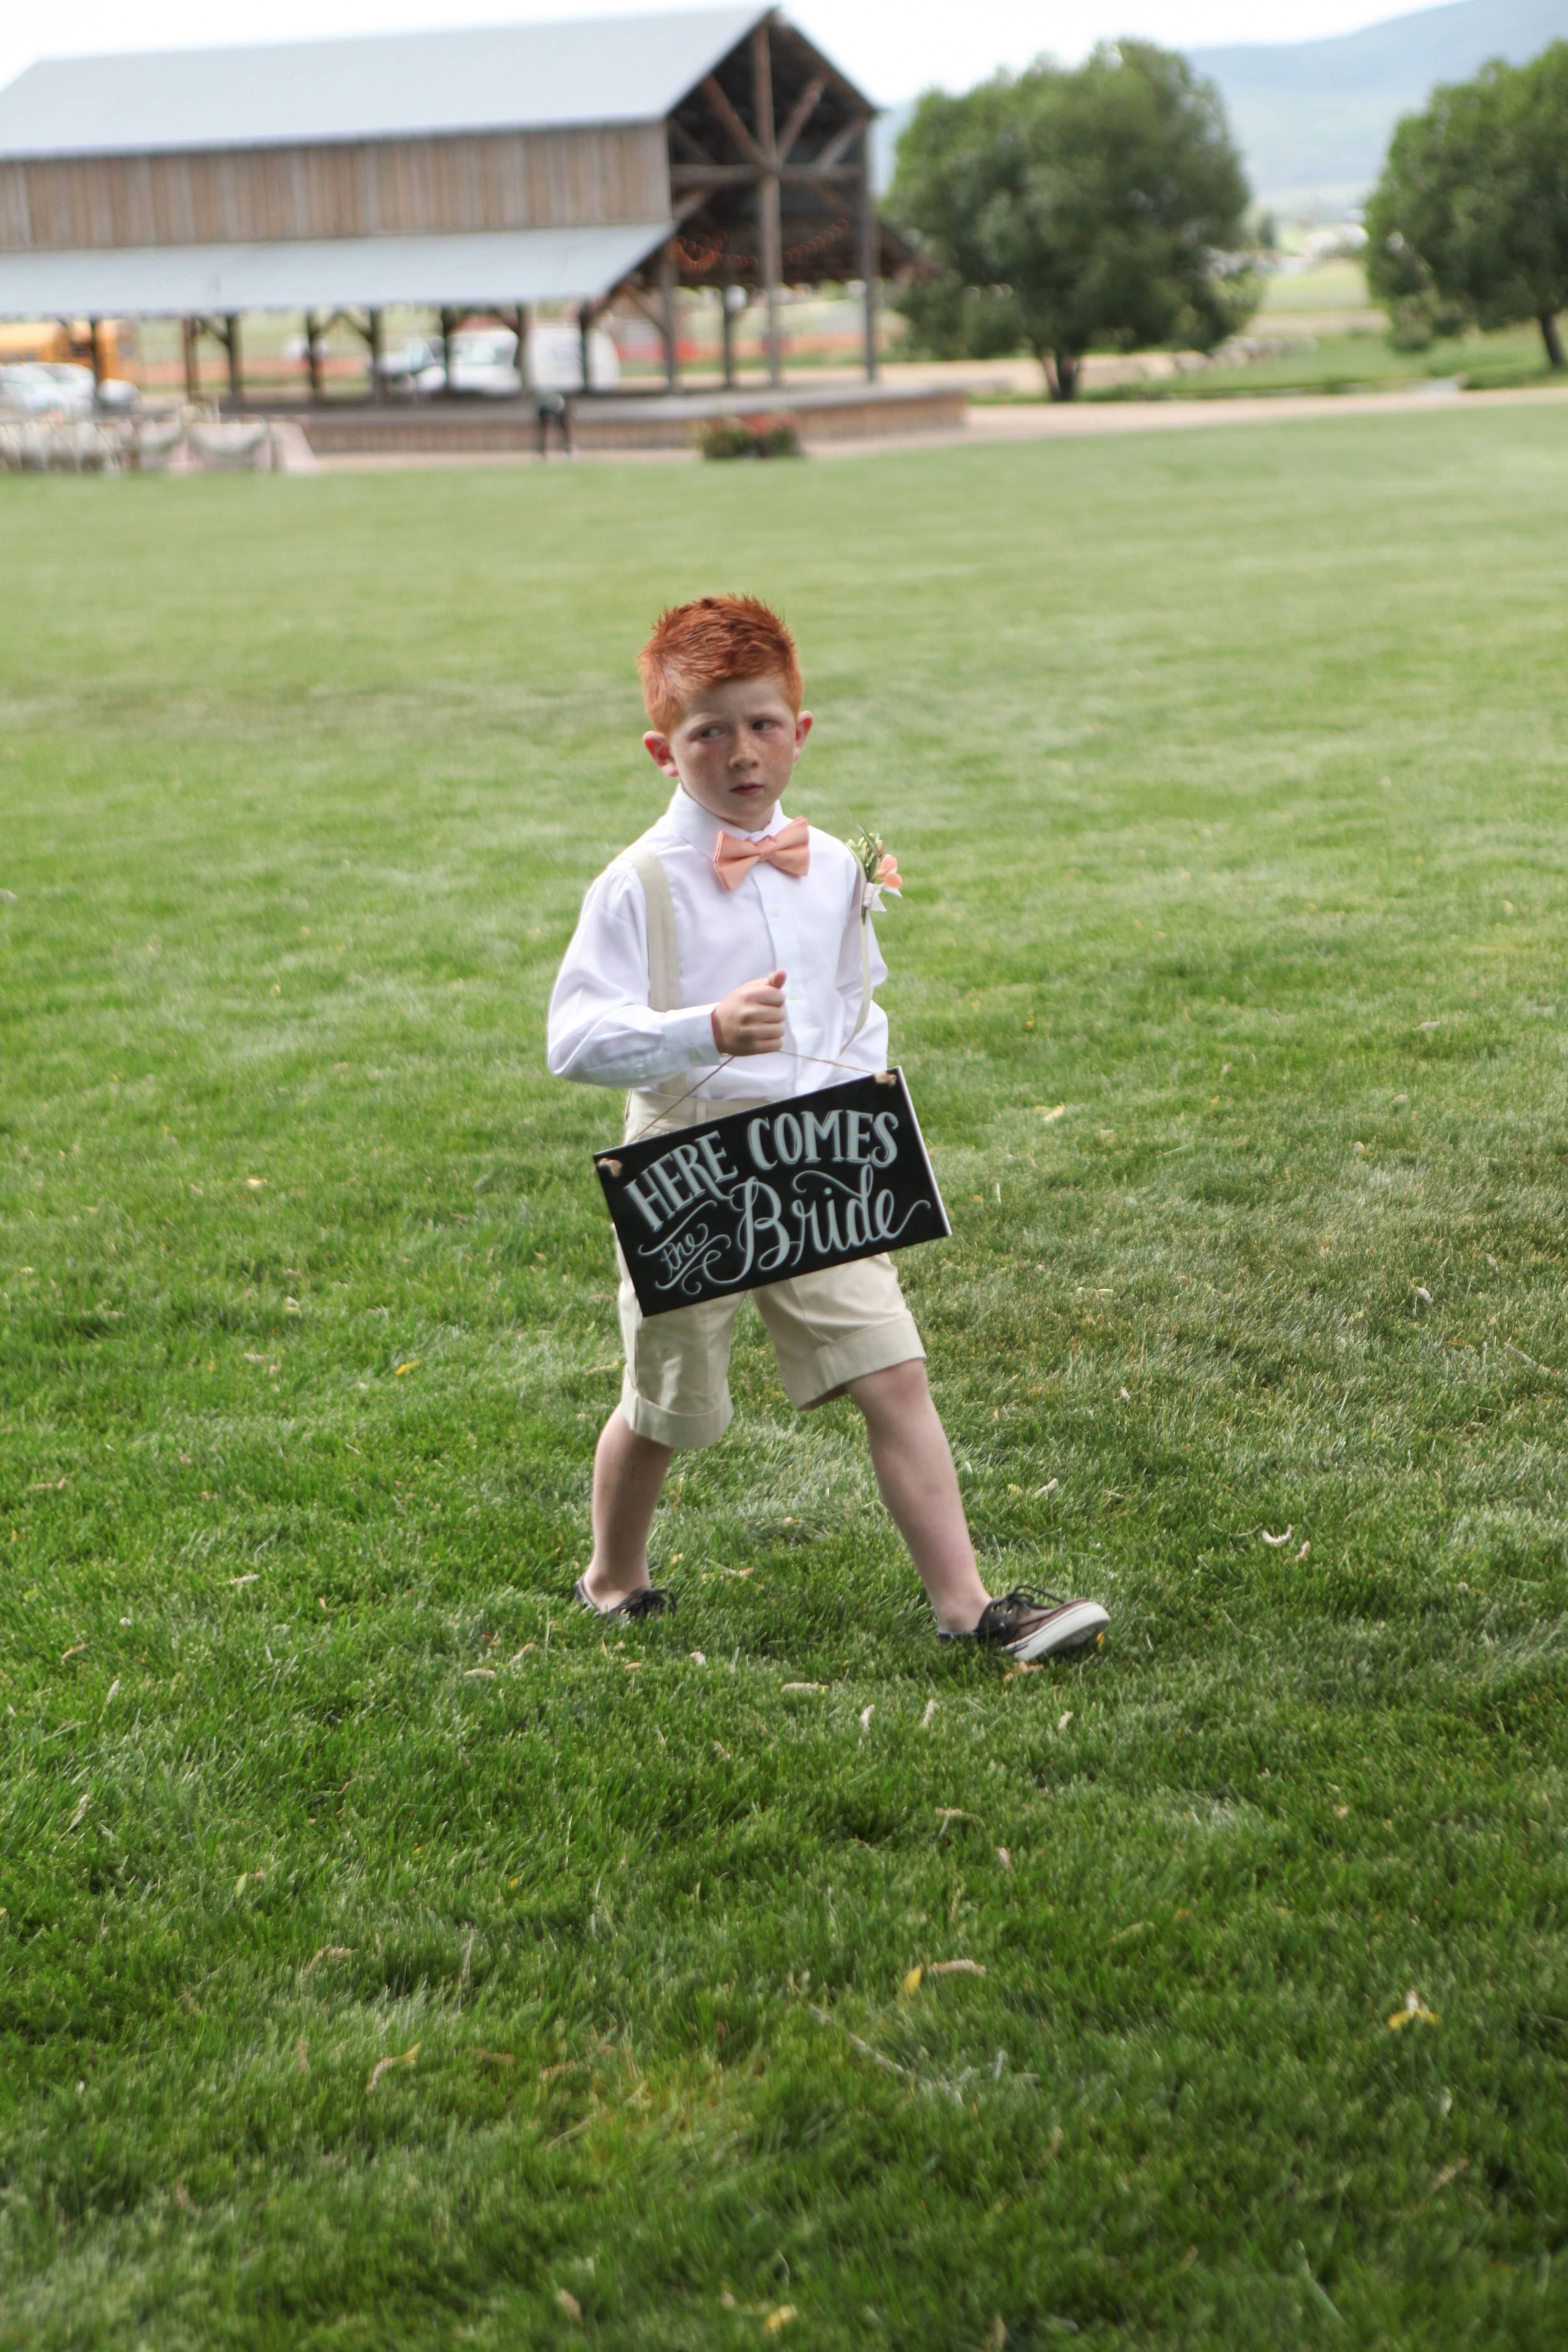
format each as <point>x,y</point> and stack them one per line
<point>751,1019</point>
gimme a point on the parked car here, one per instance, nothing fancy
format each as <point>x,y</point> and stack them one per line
<point>555,358</point>
<point>50,388</point>
<point>483,363</point>
<point>414,370</point>
<point>40,388</point>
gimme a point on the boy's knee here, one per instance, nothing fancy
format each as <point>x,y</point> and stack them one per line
<point>895,1391</point>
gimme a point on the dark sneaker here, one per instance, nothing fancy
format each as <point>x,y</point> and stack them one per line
<point>651,1602</point>
<point>1028,1626</point>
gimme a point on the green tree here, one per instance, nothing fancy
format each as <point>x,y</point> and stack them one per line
<point>1102,207</point>
<point>1472,207</point>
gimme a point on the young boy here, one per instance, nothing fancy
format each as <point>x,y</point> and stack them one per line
<point>717,965</point>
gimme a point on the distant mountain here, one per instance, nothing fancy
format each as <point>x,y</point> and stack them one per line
<point>1313,117</point>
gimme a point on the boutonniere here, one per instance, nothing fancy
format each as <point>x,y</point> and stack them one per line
<point>878,867</point>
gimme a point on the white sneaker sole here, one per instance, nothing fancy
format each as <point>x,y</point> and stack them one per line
<point>1067,1628</point>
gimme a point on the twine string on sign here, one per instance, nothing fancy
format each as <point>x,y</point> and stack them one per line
<point>883,1077</point>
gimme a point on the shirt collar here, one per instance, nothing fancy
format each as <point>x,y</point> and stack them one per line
<point>694,823</point>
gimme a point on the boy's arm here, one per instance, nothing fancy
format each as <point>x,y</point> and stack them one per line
<point>868,1050</point>
<point>601,1027</point>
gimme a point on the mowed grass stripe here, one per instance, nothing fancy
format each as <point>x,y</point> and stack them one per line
<point>1227,780</point>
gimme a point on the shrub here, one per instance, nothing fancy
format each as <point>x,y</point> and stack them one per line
<point>748,436</point>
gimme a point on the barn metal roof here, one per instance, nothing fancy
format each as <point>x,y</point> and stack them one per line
<point>390,86</point>
<point>324,273</point>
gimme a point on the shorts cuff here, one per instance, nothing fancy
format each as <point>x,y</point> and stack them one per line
<point>687,1432</point>
<point>874,1347</point>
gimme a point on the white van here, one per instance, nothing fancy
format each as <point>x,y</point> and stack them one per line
<point>482,362</point>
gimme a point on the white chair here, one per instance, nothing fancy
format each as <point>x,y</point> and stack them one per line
<point>82,445</point>
<point>154,443</point>
<point>234,447</point>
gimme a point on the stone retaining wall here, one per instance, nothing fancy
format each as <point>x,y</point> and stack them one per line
<point>630,421</point>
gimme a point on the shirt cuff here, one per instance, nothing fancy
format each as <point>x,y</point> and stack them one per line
<point>690,1035</point>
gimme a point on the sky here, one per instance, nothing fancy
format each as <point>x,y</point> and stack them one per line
<point>893,49</point>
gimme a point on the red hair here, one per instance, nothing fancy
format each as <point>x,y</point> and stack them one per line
<point>696,646</point>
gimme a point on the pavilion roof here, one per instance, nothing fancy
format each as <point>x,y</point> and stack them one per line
<point>605,70</point>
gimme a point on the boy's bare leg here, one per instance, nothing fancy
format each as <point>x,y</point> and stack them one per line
<point>628,1474</point>
<point>913,1463</point>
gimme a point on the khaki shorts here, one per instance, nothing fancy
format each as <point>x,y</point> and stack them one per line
<point>827,1329</point>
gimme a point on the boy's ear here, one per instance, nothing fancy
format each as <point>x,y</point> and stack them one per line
<point>803,724</point>
<point>656,746</point>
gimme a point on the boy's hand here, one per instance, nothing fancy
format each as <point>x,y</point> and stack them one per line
<point>751,1019</point>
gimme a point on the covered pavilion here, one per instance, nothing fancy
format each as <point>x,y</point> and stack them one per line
<point>477,172</point>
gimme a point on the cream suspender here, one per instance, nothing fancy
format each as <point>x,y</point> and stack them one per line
<point>649,1107</point>
<point>663,949</point>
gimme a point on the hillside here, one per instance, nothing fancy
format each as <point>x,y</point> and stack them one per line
<point>1314,117</point>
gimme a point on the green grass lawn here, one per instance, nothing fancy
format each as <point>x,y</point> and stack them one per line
<point>387,1959</point>
<point>1359,360</point>
<point>1336,285</point>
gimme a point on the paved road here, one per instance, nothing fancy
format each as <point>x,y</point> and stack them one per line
<point>988,426</point>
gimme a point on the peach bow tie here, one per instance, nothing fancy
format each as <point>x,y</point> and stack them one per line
<point>789,849</point>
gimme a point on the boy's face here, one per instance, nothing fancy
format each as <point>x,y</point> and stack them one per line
<point>733,748</point>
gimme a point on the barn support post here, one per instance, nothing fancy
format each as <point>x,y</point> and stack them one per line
<point>449,329</point>
<point>313,352</point>
<point>95,328</point>
<point>368,329</point>
<point>668,326</point>
<point>525,328</point>
<point>584,326</point>
<point>728,318</point>
<point>236,365</point>
<point>771,237</point>
<point>193,364</point>
<point>870,257</point>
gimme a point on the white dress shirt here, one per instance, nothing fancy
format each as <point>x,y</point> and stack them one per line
<point>602,1028</point>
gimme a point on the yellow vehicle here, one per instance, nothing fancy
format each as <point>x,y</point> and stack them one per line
<point>67,341</point>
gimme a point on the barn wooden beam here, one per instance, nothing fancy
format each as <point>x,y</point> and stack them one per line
<point>714,92</point>
<point>367,329</point>
<point>714,175</point>
<point>666,323</point>
<point>726,321</point>
<point>742,175</point>
<point>869,255</point>
<point>695,151</point>
<point>800,114</point>
<point>644,306</point>
<point>838,146</point>
<point>771,237</point>
<point>222,330</point>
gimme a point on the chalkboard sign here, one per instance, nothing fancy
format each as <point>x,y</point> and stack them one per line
<point>760,1195</point>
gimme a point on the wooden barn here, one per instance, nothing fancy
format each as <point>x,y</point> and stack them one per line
<point>478,172</point>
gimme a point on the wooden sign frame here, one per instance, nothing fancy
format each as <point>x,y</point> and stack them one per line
<point>753,1197</point>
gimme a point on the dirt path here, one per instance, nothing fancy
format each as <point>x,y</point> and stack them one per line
<point>989,425</point>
